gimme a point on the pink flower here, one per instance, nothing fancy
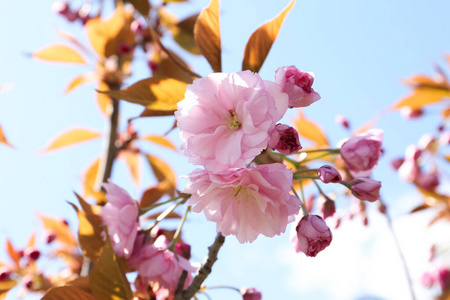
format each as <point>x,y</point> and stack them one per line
<point>361,152</point>
<point>311,235</point>
<point>329,174</point>
<point>250,294</point>
<point>285,139</point>
<point>428,279</point>
<point>298,85</point>
<point>245,202</point>
<point>120,215</point>
<point>225,119</point>
<point>366,189</point>
<point>409,170</point>
<point>327,207</point>
<point>428,181</point>
<point>443,277</point>
<point>155,263</point>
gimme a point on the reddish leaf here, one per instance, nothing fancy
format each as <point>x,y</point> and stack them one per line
<point>71,137</point>
<point>166,67</point>
<point>260,42</point>
<point>59,53</point>
<point>172,215</point>
<point>207,35</point>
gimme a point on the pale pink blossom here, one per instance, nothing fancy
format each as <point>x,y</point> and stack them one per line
<point>250,294</point>
<point>245,202</point>
<point>409,170</point>
<point>298,85</point>
<point>361,152</point>
<point>225,119</point>
<point>154,262</point>
<point>120,215</point>
<point>311,235</point>
<point>366,189</point>
<point>329,174</point>
<point>285,139</point>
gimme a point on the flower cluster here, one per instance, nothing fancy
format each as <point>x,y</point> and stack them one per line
<point>225,121</point>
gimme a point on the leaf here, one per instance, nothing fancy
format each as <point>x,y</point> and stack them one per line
<point>165,66</point>
<point>421,81</point>
<point>6,286</point>
<point>142,6</point>
<point>13,254</point>
<point>90,229</point>
<point>207,35</point>
<point>421,97</point>
<point>73,40</point>
<point>104,102</point>
<point>260,42</point>
<point>59,53</point>
<point>61,230</point>
<point>67,293</point>
<point>90,181</point>
<point>154,113</point>
<point>107,279</point>
<point>3,139</point>
<point>154,193</point>
<point>160,140</point>
<point>420,208</point>
<point>82,283</point>
<point>106,36</point>
<point>154,93</point>
<point>70,137</point>
<point>183,34</point>
<point>309,130</point>
<point>162,172</point>
<point>132,161</point>
<point>32,241</point>
<point>79,80</point>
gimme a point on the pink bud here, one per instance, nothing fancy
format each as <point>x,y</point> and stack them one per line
<point>298,85</point>
<point>427,279</point>
<point>5,274</point>
<point>412,152</point>
<point>28,281</point>
<point>285,139</point>
<point>428,181</point>
<point>443,277</point>
<point>409,113</point>
<point>397,163</point>
<point>250,294</point>
<point>425,141</point>
<point>32,254</point>
<point>125,49</point>
<point>49,237</point>
<point>329,174</point>
<point>341,120</point>
<point>328,208</point>
<point>138,27</point>
<point>444,138</point>
<point>313,235</point>
<point>183,249</point>
<point>366,189</point>
<point>361,152</point>
<point>152,66</point>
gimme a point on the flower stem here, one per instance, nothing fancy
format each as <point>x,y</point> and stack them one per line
<point>302,202</point>
<point>178,232</point>
<point>330,151</point>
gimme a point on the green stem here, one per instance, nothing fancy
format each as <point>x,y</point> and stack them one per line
<point>224,287</point>
<point>305,177</point>
<point>178,232</point>
<point>320,190</point>
<point>330,151</point>
<point>302,202</point>
<point>145,210</point>
<point>286,158</point>
<point>164,214</point>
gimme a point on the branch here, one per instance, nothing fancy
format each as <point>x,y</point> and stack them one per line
<point>204,270</point>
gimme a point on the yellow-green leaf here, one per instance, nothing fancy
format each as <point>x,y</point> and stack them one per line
<point>207,35</point>
<point>309,130</point>
<point>79,80</point>
<point>183,34</point>
<point>160,140</point>
<point>60,229</point>
<point>90,229</point>
<point>166,67</point>
<point>260,42</point>
<point>70,137</point>
<point>59,53</point>
<point>162,172</point>
<point>107,278</point>
<point>421,97</point>
<point>68,293</point>
<point>153,93</point>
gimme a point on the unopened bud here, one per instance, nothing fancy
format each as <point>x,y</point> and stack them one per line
<point>343,121</point>
<point>285,139</point>
<point>183,249</point>
<point>250,294</point>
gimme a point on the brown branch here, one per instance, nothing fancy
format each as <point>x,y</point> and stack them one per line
<point>204,270</point>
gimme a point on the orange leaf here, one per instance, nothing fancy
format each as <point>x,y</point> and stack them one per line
<point>153,194</point>
<point>132,161</point>
<point>5,286</point>
<point>60,229</point>
<point>421,97</point>
<point>260,42</point>
<point>142,6</point>
<point>167,68</point>
<point>160,140</point>
<point>73,40</point>
<point>32,241</point>
<point>79,80</point>
<point>104,102</point>
<point>13,254</point>
<point>162,172</point>
<point>70,137</point>
<point>154,93</point>
<point>309,130</point>
<point>90,181</point>
<point>183,34</point>
<point>207,35</point>
<point>67,293</point>
<point>154,113</point>
<point>419,81</point>
<point>59,53</point>
<point>3,138</point>
<point>107,35</point>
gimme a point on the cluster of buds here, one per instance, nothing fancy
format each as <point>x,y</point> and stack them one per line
<point>63,8</point>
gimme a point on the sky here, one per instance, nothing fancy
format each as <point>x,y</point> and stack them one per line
<point>360,51</point>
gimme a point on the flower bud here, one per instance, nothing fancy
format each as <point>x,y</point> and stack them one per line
<point>298,85</point>
<point>341,120</point>
<point>397,163</point>
<point>409,113</point>
<point>329,174</point>
<point>361,152</point>
<point>313,235</point>
<point>366,189</point>
<point>32,254</point>
<point>443,277</point>
<point>328,208</point>
<point>428,181</point>
<point>49,238</point>
<point>5,273</point>
<point>285,139</point>
<point>250,294</point>
<point>183,249</point>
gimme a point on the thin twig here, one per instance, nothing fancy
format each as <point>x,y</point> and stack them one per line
<point>204,270</point>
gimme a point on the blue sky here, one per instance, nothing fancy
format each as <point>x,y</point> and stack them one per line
<point>359,51</point>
